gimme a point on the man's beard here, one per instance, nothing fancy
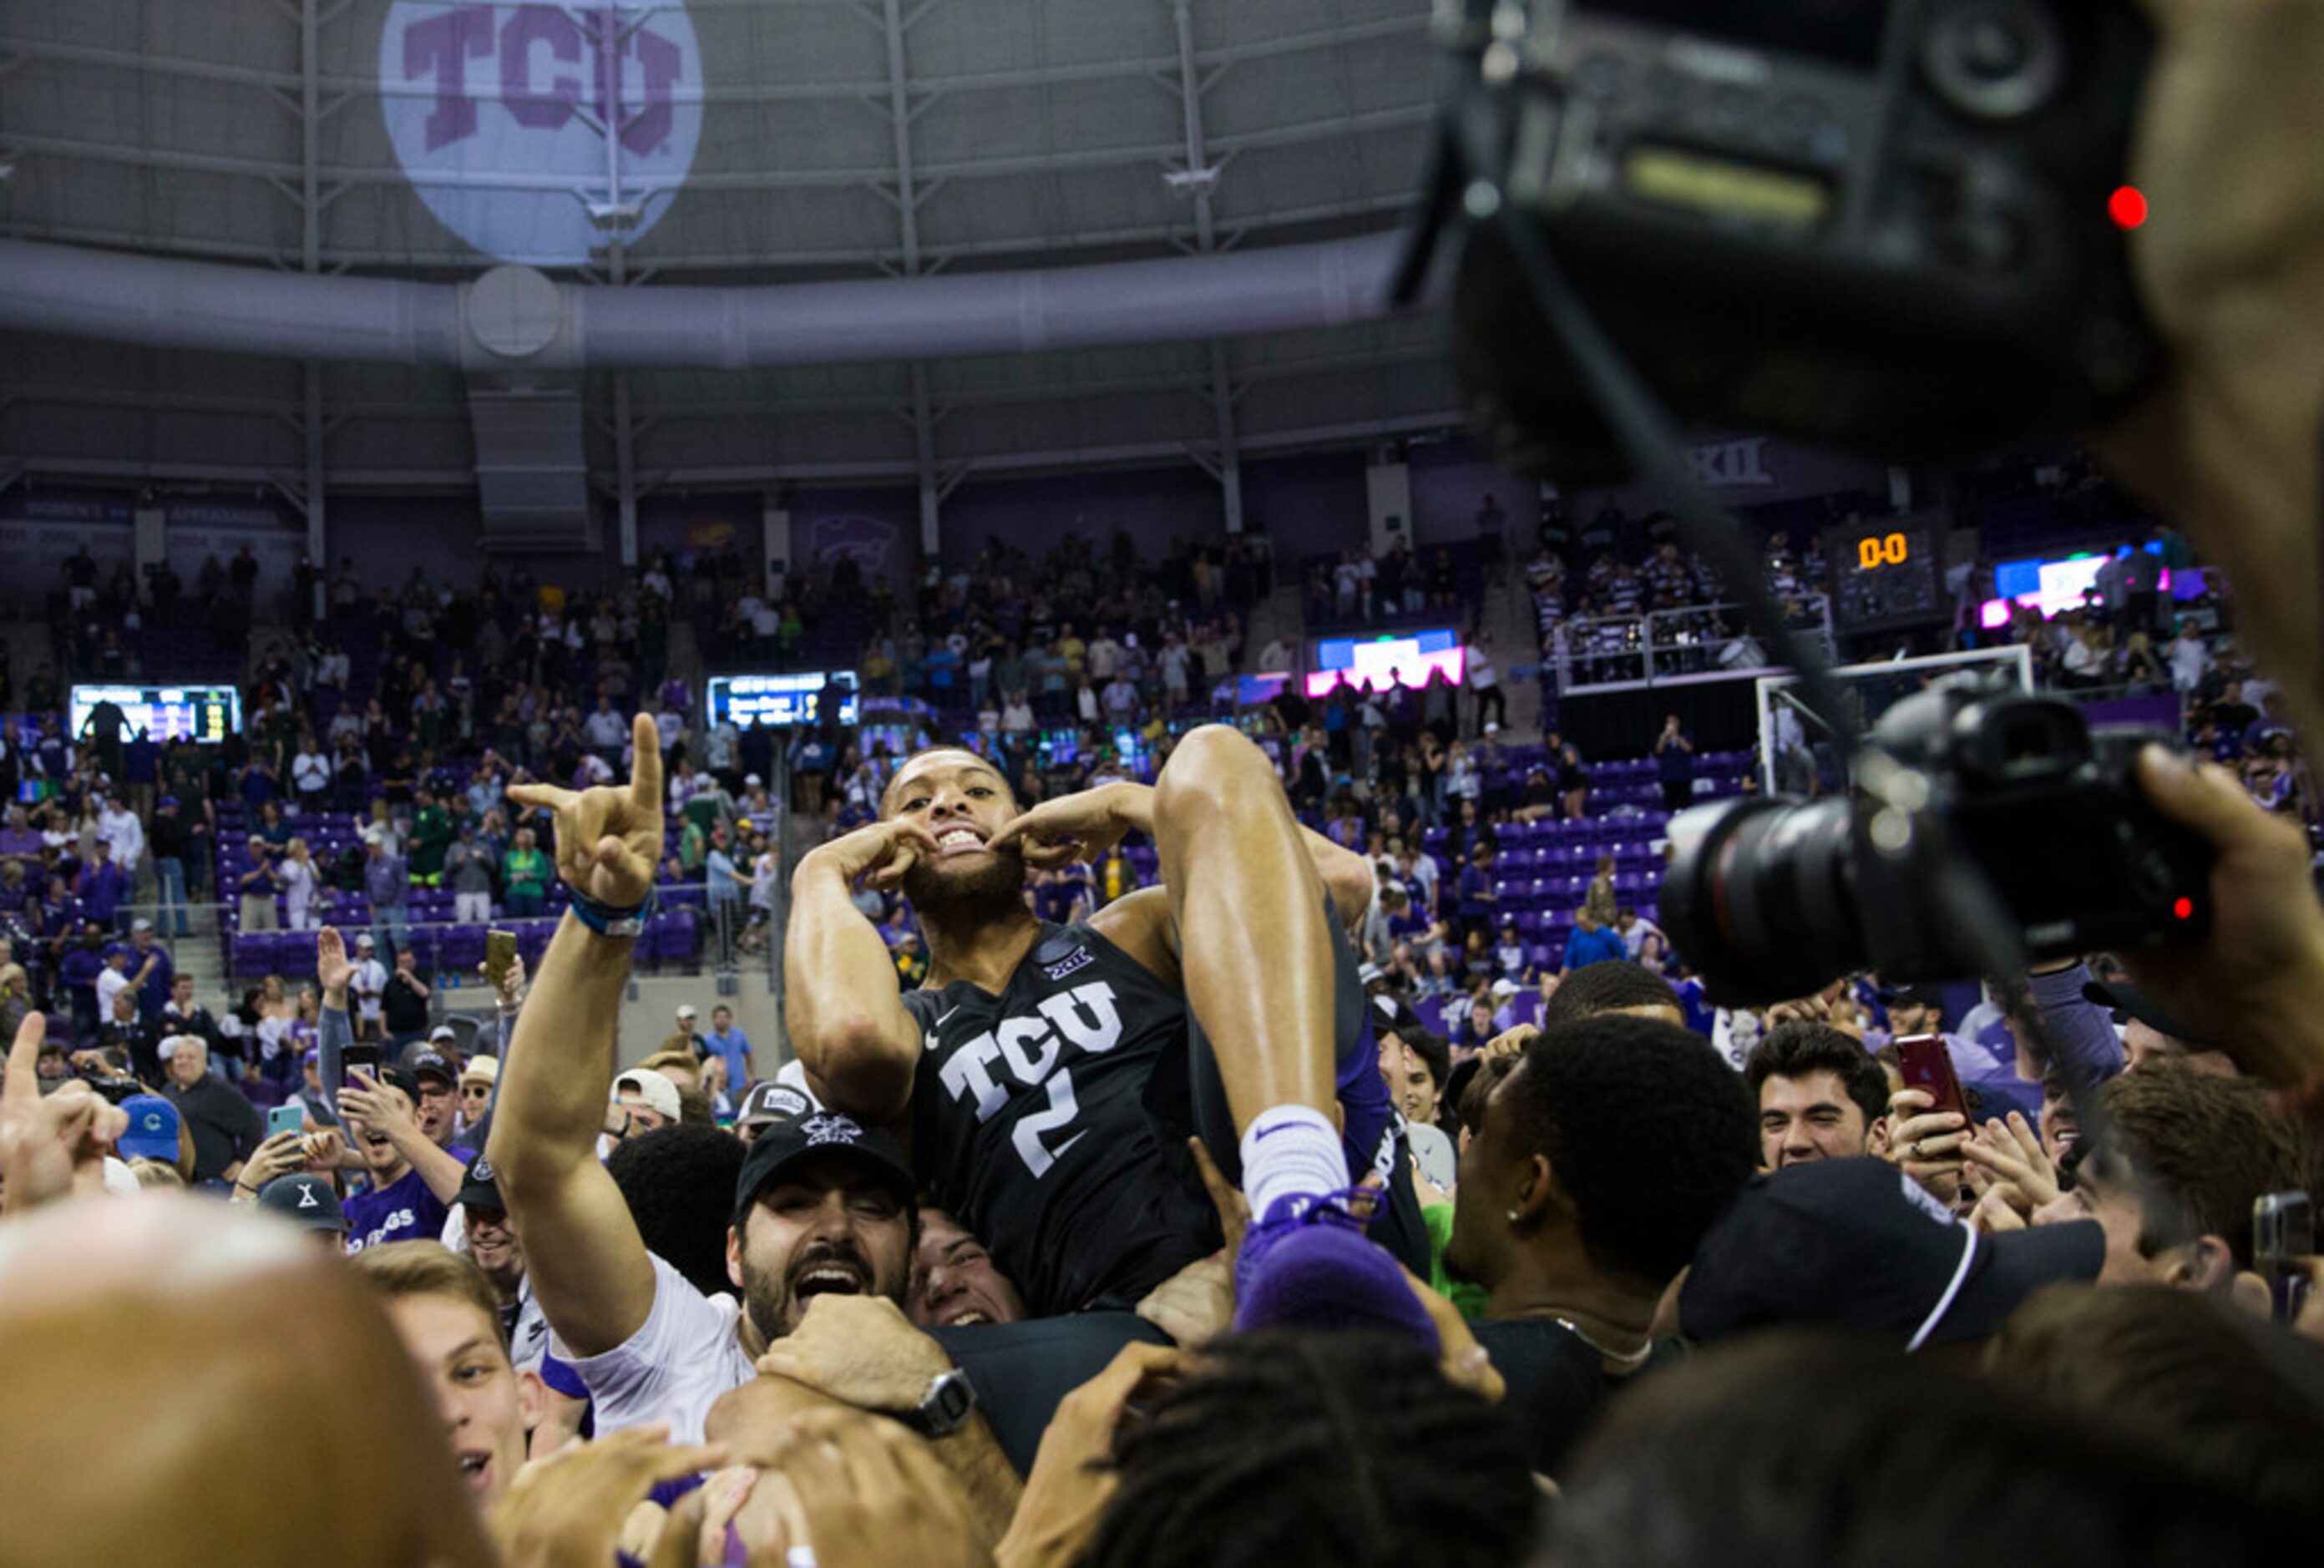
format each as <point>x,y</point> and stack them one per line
<point>967,897</point>
<point>767,1295</point>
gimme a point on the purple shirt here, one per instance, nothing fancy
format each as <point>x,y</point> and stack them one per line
<point>402,1211</point>
<point>386,883</point>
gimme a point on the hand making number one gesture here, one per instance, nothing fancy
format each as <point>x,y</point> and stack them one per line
<point>609,838</point>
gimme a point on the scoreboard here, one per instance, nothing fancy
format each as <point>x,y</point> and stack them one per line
<point>1886,574</point>
<point>779,701</point>
<point>207,714</point>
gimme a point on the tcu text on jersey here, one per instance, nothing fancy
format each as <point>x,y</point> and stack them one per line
<point>1032,1050</point>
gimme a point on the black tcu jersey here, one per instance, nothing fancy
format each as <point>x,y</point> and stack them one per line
<point>1051,1120</point>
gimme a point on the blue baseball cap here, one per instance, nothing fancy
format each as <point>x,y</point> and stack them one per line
<point>153,1132</point>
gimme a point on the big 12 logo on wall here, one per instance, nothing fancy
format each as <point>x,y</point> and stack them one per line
<point>501,115</point>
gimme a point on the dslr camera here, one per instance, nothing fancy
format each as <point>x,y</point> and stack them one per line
<point>1888,223</point>
<point>1770,899</point>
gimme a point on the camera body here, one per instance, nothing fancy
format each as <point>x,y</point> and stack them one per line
<point>1883,223</point>
<point>1773,899</point>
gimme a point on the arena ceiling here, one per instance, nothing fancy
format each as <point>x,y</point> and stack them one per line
<point>719,142</point>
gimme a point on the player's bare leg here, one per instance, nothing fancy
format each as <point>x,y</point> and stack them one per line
<point>1256,948</point>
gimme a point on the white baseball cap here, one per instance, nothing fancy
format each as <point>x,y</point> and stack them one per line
<point>658,1092</point>
<point>686,1010</point>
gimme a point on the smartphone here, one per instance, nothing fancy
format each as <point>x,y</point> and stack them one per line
<point>368,1056</point>
<point>500,951</point>
<point>1928,1067</point>
<point>2283,1229</point>
<point>285,1118</point>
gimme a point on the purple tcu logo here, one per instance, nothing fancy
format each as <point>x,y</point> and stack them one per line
<point>866,540</point>
<point>501,114</point>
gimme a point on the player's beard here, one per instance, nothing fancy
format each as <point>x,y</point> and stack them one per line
<point>967,895</point>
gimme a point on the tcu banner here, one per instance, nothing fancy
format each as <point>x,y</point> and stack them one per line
<point>501,115</point>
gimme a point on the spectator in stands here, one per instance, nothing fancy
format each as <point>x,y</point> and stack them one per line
<point>171,844</point>
<point>368,980</point>
<point>257,887</point>
<point>104,889</point>
<point>226,1129</point>
<point>524,872</point>
<point>387,884</point>
<point>1820,1095</point>
<point>297,874</point>
<point>403,1001</point>
<point>729,1045</point>
<point>1590,943</point>
<point>468,868</point>
<point>1674,764</point>
<point>1478,899</point>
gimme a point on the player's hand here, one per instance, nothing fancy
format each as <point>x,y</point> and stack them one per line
<point>880,850</point>
<point>570,1506</point>
<point>861,1351</point>
<point>1071,1484</point>
<point>333,970</point>
<point>608,838</point>
<point>2256,983</point>
<point>1079,826</point>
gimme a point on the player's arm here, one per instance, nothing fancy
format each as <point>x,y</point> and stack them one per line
<point>858,1044</point>
<point>587,1264</point>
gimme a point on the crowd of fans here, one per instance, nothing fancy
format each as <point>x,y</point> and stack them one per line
<point>886,1302</point>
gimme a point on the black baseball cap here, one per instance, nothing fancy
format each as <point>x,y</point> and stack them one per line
<point>427,1062</point>
<point>307,1199</point>
<point>2127,1001</point>
<point>479,1185</point>
<point>788,1140</point>
<point>1858,1244</point>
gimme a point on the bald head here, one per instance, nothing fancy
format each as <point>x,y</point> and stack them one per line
<point>143,1338</point>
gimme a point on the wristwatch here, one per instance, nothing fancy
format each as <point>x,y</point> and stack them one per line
<point>945,1407</point>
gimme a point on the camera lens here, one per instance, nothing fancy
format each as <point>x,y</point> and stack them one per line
<point>1760,897</point>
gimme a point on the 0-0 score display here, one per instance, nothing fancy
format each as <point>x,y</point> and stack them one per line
<point>1874,551</point>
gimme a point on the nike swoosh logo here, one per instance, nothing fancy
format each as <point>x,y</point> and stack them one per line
<point>1059,1152</point>
<point>944,1017</point>
<point>1264,1133</point>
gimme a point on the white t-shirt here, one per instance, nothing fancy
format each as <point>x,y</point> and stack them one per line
<point>110,984</point>
<point>370,979</point>
<point>684,1356</point>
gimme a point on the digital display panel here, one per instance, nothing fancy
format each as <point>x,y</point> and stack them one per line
<point>1377,663</point>
<point>2056,586</point>
<point>207,714</point>
<point>777,700</point>
<point>1846,30</point>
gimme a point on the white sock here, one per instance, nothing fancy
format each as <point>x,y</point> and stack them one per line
<point>1287,1151</point>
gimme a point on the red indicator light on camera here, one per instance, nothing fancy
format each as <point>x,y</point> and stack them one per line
<point>2127,206</point>
<point>2183,909</point>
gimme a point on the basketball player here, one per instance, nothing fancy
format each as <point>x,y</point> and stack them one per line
<point>1048,1075</point>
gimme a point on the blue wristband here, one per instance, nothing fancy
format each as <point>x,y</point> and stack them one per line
<point>607,920</point>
